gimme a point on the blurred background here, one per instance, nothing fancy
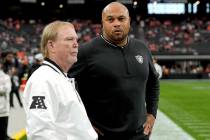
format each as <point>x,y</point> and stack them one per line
<point>176,31</point>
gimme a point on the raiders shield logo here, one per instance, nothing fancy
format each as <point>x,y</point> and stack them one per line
<point>139,58</point>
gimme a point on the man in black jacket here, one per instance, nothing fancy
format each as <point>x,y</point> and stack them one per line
<point>117,80</point>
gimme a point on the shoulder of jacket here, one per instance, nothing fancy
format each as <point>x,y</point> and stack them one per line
<point>139,42</point>
<point>139,45</point>
<point>44,73</point>
<point>88,48</point>
<point>91,43</point>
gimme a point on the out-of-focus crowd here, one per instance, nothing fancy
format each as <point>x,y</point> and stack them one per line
<point>19,40</point>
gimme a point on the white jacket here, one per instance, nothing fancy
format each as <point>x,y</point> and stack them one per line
<point>54,110</point>
<point>5,88</point>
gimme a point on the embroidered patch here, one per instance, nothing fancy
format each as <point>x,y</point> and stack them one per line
<point>38,102</point>
<point>139,58</point>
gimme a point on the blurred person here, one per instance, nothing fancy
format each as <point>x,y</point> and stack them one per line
<point>166,71</point>
<point>15,86</point>
<point>207,70</point>
<point>157,67</point>
<point>5,88</point>
<point>9,61</point>
<point>117,80</point>
<point>54,110</point>
<point>38,62</point>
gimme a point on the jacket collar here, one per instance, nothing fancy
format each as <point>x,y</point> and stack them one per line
<point>53,65</point>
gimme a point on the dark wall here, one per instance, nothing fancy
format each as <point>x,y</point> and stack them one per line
<point>90,10</point>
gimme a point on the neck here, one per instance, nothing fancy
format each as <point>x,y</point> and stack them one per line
<point>122,43</point>
<point>63,67</point>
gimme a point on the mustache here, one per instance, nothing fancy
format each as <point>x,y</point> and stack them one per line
<point>118,30</point>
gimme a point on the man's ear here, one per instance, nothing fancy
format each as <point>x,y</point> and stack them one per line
<point>50,46</point>
<point>50,43</point>
<point>102,24</point>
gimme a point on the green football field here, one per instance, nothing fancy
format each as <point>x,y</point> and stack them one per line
<point>187,103</point>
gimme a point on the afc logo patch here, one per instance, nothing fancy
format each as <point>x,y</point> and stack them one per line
<point>38,102</point>
<point>139,58</point>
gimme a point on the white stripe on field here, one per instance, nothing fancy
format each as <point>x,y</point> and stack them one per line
<point>195,127</point>
<point>166,129</point>
<point>205,135</point>
<point>198,124</point>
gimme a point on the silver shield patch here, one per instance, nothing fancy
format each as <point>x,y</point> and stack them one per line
<point>139,58</point>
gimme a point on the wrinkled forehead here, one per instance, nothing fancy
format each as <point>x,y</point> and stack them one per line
<point>66,31</point>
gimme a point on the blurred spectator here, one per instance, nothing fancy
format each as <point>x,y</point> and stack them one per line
<point>166,71</point>
<point>5,88</point>
<point>207,70</point>
<point>38,61</point>
<point>15,86</point>
<point>9,61</point>
<point>157,67</point>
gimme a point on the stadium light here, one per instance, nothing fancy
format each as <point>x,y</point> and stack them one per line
<point>42,3</point>
<point>61,6</point>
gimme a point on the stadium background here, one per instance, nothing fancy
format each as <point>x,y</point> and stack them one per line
<point>178,38</point>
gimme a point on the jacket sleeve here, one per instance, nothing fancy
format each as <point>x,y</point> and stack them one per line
<point>41,104</point>
<point>152,89</point>
<point>6,85</point>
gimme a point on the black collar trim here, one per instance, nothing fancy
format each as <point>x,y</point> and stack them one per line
<point>114,44</point>
<point>53,63</point>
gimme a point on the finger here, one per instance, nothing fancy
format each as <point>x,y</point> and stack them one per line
<point>146,130</point>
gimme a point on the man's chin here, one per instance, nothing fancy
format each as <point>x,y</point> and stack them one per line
<point>118,37</point>
<point>74,60</point>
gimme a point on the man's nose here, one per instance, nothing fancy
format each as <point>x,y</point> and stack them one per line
<point>117,23</point>
<point>76,44</point>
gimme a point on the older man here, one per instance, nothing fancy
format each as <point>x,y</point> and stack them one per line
<point>54,110</point>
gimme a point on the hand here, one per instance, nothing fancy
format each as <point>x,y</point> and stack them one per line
<point>148,125</point>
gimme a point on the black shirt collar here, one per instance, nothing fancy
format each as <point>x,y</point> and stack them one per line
<point>114,44</point>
